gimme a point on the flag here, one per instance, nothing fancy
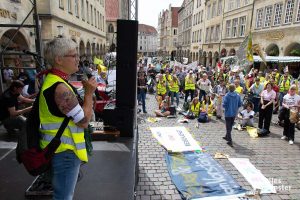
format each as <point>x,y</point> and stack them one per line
<point>245,53</point>
<point>256,49</point>
<point>98,61</point>
<point>249,51</point>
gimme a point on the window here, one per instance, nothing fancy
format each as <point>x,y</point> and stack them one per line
<point>92,22</point>
<point>98,17</point>
<point>193,37</point>
<point>242,26</point>
<point>208,12</point>
<point>211,36</point>
<point>246,2</point>
<point>202,15</point>
<point>214,9</point>
<point>206,35</point>
<point>200,33</point>
<point>238,3</point>
<point>219,8</point>
<point>141,48</point>
<point>234,27</point>
<point>231,5</point>
<point>259,17</point>
<point>76,8</point>
<point>289,11</point>
<point>198,17</point>
<point>268,16</point>
<point>298,12</point>
<point>82,10</point>
<point>69,6</point>
<point>175,32</point>
<point>95,13</point>
<point>61,4</point>
<point>217,32</point>
<point>87,12</point>
<point>278,14</point>
<point>228,28</point>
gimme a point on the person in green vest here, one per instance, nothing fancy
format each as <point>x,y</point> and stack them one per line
<point>174,89</point>
<point>284,85</point>
<point>57,101</point>
<point>190,85</point>
<point>195,107</point>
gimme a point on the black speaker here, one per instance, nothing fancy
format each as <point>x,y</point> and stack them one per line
<point>126,75</point>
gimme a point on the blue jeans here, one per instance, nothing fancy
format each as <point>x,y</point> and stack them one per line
<point>175,94</point>
<point>65,169</point>
<point>256,103</point>
<point>202,94</point>
<point>142,98</point>
<point>281,95</point>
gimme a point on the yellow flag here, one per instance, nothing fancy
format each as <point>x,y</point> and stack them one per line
<point>98,61</point>
<point>249,52</point>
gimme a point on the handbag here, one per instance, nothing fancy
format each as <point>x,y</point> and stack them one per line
<point>294,116</point>
<point>37,161</point>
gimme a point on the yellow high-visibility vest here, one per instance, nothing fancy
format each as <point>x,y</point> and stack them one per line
<point>174,86</point>
<point>161,88</point>
<point>72,137</point>
<point>195,109</point>
<point>284,87</point>
<point>189,83</point>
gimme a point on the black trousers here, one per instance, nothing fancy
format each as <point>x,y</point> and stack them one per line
<point>265,116</point>
<point>229,124</point>
<point>187,92</point>
<point>288,127</point>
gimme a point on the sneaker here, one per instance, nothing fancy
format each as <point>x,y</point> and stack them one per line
<point>283,137</point>
<point>291,142</point>
<point>145,111</point>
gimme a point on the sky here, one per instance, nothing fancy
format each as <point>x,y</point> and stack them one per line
<point>150,9</point>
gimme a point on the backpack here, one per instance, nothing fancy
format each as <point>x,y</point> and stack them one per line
<point>203,117</point>
<point>29,152</point>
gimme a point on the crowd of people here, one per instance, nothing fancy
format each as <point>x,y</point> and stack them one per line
<point>225,91</point>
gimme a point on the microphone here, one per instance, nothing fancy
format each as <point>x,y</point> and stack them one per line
<point>89,74</point>
<point>31,53</point>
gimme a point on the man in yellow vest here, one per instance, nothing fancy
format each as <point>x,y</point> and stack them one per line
<point>190,86</point>
<point>174,89</point>
<point>161,89</point>
<point>284,85</point>
<point>56,102</point>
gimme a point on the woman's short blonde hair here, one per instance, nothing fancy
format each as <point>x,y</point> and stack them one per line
<point>293,87</point>
<point>58,47</point>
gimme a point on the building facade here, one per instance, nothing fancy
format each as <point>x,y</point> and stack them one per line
<point>81,20</point>
<point>168,22</point>
<point>197,29</point>
<point>185,18</point>
<point>213,28</point>
<point>276,27</point>
<point>147,40</point>
<point>14,12</point>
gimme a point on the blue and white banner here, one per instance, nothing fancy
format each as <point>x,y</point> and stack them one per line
<point>199,176</point>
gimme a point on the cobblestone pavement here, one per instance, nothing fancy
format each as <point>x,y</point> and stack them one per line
<point>277,160</point>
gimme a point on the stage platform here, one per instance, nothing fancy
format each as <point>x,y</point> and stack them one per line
<point>110,174</point>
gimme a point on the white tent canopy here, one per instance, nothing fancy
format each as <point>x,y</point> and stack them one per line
<point>277,59</point>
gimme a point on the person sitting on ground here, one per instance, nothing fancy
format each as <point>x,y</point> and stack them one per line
<point>208,106</point>
<point>161,89</point>
<point>247,115</point>
<point>164,109</point>
<point>195,107</point>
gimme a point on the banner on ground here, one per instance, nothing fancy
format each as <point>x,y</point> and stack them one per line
<point>256,179</point>
<point>175,139</point>
<point>199,176</point>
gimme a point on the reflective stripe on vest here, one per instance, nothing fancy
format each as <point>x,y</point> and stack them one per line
<point>64,140</point>
<point>52,126</point>
<point>189,84</point>
<point>73,136</point>
<point>161,88</point>
<point>195,109</point>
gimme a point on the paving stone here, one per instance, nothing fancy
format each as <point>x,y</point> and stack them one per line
<point>275,158</point>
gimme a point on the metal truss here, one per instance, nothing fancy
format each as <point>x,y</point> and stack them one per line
<point>133,9</point>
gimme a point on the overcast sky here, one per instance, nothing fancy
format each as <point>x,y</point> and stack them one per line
<point>149,10</point>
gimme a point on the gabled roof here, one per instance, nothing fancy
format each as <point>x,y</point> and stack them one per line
<point>112,10</point>
<point>174,11</point>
